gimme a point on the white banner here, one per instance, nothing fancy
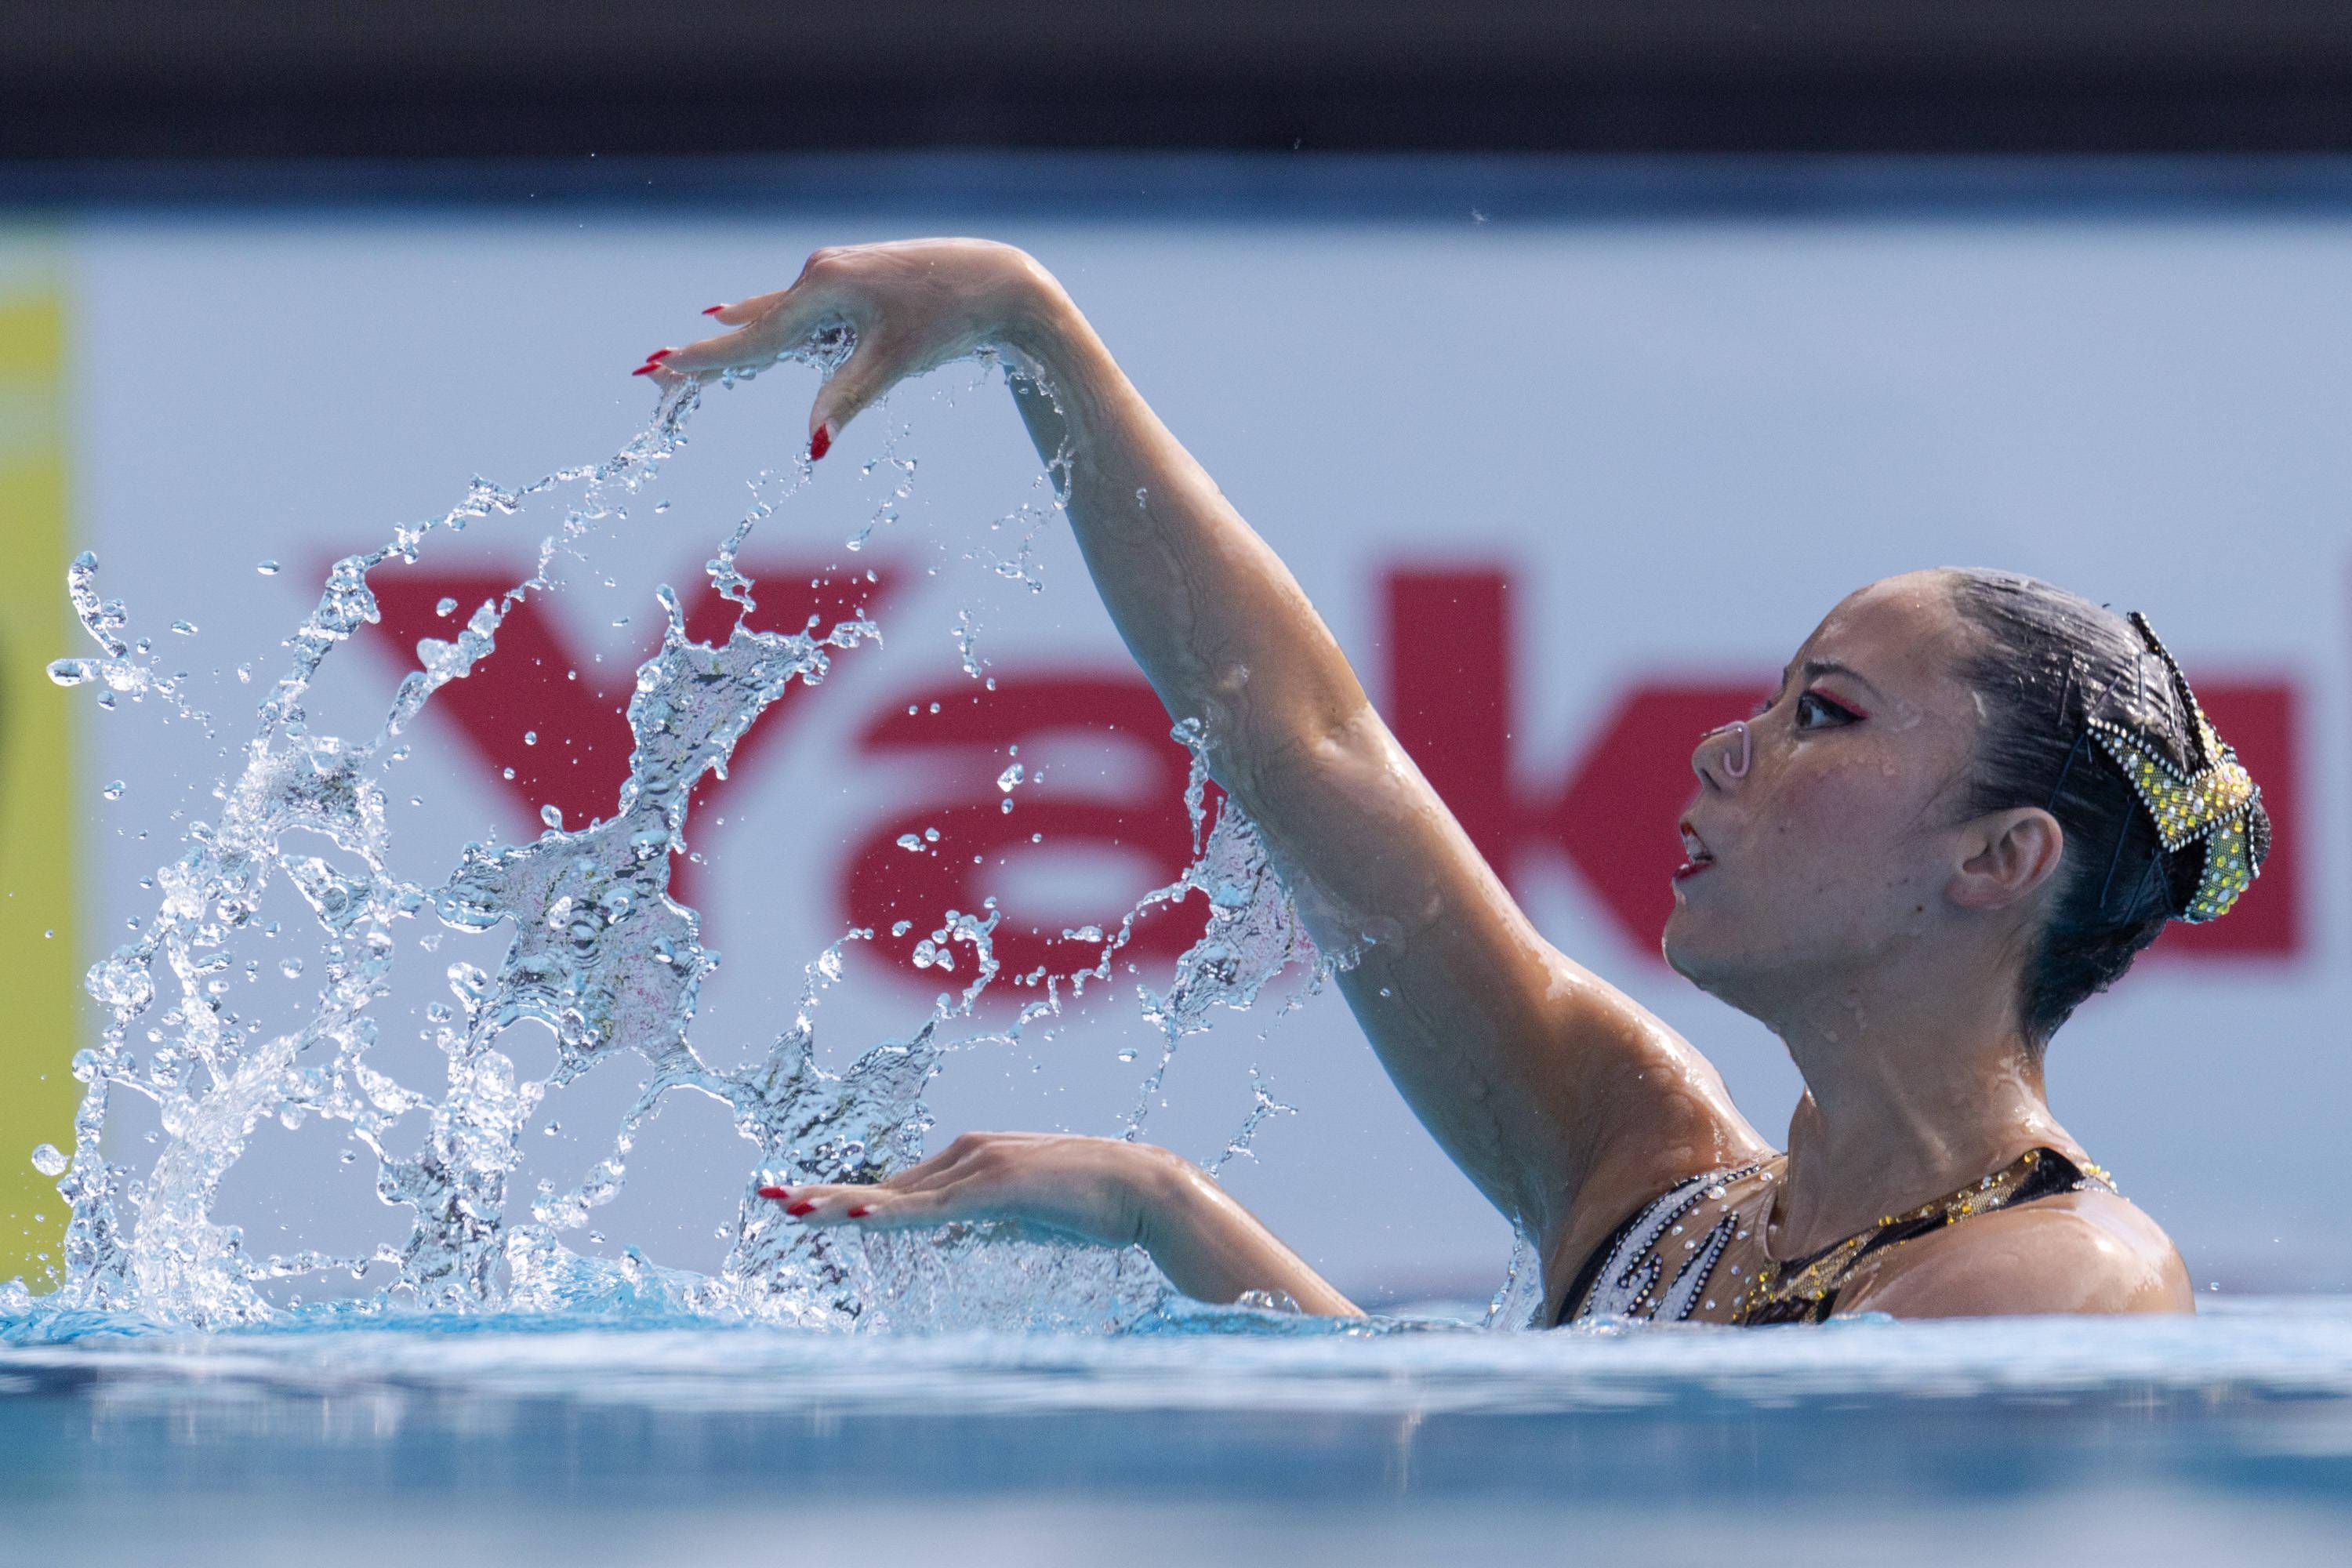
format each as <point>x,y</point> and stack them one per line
<point>1568,492</point>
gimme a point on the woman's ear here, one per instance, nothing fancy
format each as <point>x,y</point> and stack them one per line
<point>2004,856</point>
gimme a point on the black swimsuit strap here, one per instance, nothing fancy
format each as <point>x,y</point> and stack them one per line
<point>2051,1175</point>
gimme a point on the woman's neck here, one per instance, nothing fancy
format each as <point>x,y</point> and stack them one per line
<point>1911,1094</point>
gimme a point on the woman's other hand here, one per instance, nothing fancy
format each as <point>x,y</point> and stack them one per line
<point>910,306</point>
<point>1096,1189</point>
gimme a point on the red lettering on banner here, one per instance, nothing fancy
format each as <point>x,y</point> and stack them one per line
<point>1453,700</point>
<point>1455,706</point>
<point>967,742</point>
<point>534,682</point>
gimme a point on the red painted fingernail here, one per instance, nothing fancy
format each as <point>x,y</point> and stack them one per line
<point>714,309</point>
<point>658,355</point>
<point>861,1211</point>
<point>645,369</point>
<point>801,1207</point>
<point>820,444</point>
<point>779,1193</point>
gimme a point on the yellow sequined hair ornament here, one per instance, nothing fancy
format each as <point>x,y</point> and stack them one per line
<point>2214,799</point>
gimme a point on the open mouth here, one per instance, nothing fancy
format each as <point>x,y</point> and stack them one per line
<point>1696,857</point>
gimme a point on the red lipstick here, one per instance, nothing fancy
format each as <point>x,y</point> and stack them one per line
<point>1696,857</point>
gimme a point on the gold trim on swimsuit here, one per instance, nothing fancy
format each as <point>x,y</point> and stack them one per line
<point>1626,1276</point>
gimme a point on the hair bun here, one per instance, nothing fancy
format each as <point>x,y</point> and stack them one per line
<point>2213,800</point>
<point>2160,820</point>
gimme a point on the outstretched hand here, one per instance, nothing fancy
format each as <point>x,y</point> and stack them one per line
<point>1096,1189</point>
<point>908,307</point>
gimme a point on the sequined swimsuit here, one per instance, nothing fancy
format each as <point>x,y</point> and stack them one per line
<point>1695,1253</point>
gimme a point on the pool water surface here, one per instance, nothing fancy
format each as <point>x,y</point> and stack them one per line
<point>1204,1436</point>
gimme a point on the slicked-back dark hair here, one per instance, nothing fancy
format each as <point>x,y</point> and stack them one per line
<point>2045,661</point>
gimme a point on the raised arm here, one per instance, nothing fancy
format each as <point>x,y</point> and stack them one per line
<point>1564,1100</point>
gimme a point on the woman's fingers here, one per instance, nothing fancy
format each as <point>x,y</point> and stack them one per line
<point>971,1167</point>
<point>943,1166</point>
<point>760,343</point>
<point>766,329</point>
<point>879,1207</point>
<point>819,1199</point>
<point>873,368</point>
<point>743,310</point>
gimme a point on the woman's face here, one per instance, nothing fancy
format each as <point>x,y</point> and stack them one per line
<point>1836,846</point>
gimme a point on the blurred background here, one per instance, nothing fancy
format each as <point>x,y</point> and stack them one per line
<point>1578,357</point>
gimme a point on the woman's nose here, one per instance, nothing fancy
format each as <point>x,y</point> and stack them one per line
<point>1728,750</point>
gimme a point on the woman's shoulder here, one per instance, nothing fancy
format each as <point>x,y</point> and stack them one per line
<point>2087,1251</point>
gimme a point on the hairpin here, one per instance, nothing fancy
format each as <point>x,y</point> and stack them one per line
<point>2213,799</point>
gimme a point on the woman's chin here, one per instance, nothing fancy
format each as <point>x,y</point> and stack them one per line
<point>1689,953</point>
<point>1681,953</point>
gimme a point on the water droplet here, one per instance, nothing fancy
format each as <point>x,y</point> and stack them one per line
<point>113,790</point>
<point>267,568</point>
<point>290,967</point>
<point>445,608</point>
<point>553,816</point>
<point>185,628</point>
<point>910,842</point>
<point>531,737</point>
<point>74,671</point>
<point>48,1159</point>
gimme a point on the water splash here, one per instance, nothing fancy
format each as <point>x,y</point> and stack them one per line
<point>601,954</point>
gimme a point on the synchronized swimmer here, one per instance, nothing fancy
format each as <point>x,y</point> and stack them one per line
<point>1972,800</point>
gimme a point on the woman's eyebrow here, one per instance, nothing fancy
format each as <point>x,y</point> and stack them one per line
<point>1817,667</point>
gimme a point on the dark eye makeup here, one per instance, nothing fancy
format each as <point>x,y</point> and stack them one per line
<point>1815,710</point>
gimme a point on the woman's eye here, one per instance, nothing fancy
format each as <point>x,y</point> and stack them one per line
<point>1813,710</point>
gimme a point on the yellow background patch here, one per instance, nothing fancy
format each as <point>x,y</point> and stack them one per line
<point>38,943</point>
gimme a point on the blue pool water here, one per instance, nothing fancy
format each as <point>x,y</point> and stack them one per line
<point>1201,1437</point>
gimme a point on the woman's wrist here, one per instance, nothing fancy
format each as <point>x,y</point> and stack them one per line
<point>1211,1248</point>
<point>1039,323</point>
<point>1166,1191</point>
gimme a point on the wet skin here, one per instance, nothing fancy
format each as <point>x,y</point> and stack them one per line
<point>1839,891</point>
<point>1842,893</point>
